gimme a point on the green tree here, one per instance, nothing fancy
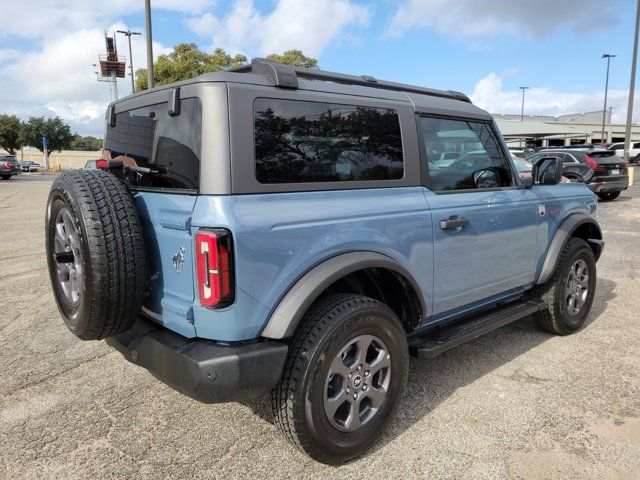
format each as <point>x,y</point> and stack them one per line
<point>185,62</point>
<point>87,144</point>
<point>294,58</point>
<point>188,61</point>
<point>10,133</point>
<point>57,132</point>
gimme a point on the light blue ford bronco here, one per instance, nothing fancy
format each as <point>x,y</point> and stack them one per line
<point>301,232</point>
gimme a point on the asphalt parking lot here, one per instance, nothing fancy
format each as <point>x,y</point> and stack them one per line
<point>517,403</point>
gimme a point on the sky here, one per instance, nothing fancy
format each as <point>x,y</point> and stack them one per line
<point>484,48</point>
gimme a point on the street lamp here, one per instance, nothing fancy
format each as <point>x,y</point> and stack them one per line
<point>147,16</point>
<point>522,112</point>
<point>608,56</point>
<point>632,86</point>
<point>128,34</point>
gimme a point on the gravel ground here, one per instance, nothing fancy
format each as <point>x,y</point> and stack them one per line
<point>516,403</point>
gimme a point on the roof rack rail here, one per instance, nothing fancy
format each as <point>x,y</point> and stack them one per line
<point>286,76</point>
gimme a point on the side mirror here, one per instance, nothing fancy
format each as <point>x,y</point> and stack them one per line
<point>486,178</point>
<point>547,171</point>
<point>492,177</point>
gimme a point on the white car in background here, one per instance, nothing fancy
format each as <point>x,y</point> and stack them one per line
<point>634,151</point>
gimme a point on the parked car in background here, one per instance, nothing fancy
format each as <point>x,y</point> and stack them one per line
<point>30,166</point>
<point>95,164</point>
<point>634,151</point>
<point>602,170</point>
<point>523,167</point>
<point>9,166</point>
<point>446,159</point>
<point>517,153</point>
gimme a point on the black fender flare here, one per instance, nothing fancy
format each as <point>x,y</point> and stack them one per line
<point>287,315</point>
<point>563,234</point>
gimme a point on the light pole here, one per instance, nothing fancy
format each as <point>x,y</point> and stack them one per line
<point>632,86</point>
<point>524,89</point>
<point>128,34</point>
<point>608,56</point>
<point>147,15</point>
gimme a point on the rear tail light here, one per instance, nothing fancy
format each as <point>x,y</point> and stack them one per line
<point>214,259</point>
<point>102,164</point>
<point>592,163</point>
<point>7,165</point>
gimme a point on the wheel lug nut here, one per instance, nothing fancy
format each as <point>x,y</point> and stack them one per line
<point>366,373</point>
<point>365,387</point>
<point>355,396</point>
<point>348,391</point>
<point>359,367</point>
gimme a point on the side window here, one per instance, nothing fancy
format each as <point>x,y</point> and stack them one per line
<point>301,142</point>
<point>150,137</point>
<point>566,158</point>
<point>635,145</point>
<point>479,163</point>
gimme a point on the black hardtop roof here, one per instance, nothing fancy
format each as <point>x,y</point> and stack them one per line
<point>268,73</point>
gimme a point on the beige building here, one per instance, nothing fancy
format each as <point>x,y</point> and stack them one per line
<point>64,160</point>
<point>555,131</point>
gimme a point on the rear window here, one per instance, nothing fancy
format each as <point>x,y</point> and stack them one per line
<point>602,154</point>
<point>151,137</point>
<point>302,142</point>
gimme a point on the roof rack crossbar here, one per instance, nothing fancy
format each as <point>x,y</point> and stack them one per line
<point>286,76</point>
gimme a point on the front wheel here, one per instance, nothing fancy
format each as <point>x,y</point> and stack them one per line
<point>343,379</point>
<point>569,294</point>
<point>607,196</point>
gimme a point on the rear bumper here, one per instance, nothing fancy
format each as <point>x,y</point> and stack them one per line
<point>202,369</point>
<point>617,185</point>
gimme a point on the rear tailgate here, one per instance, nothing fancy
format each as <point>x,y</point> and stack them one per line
<point>610,162</point>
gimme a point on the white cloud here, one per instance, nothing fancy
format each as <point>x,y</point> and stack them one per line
<point>51,18</point>
<point>308,25</point>
<point>475,19</point>
<point>489,94</point>
<point>59,78</point>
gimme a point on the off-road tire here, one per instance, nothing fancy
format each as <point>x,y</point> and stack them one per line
<point>111,249</point>
<point>556,318</point>
<point>297,400</point>
<point>608,196</point>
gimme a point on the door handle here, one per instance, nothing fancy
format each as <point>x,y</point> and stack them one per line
<point>454,223</point>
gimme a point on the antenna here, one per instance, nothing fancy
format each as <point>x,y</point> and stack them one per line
<point>111,65</point>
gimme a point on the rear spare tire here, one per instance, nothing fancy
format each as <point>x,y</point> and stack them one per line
<point>95,253</point>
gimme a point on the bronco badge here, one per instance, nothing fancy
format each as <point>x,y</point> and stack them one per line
<point>178,259</point>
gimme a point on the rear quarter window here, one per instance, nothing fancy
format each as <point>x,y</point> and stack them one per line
<point>150,137</point>
<point>303,142</point>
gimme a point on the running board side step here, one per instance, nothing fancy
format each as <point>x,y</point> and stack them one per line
<point>440,341</point>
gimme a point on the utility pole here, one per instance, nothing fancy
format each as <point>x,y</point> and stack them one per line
<point>147,15</point>
<point>632,86</point>
<point>608,56</point>
<point>128,34</point>
<point>522,112</point>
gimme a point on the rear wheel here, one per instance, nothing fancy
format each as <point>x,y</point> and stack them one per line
<point>5,177</point>
<point>95,253</point>
<point>344,376</point>
<point>607,196</point>
<point>569,294</point>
